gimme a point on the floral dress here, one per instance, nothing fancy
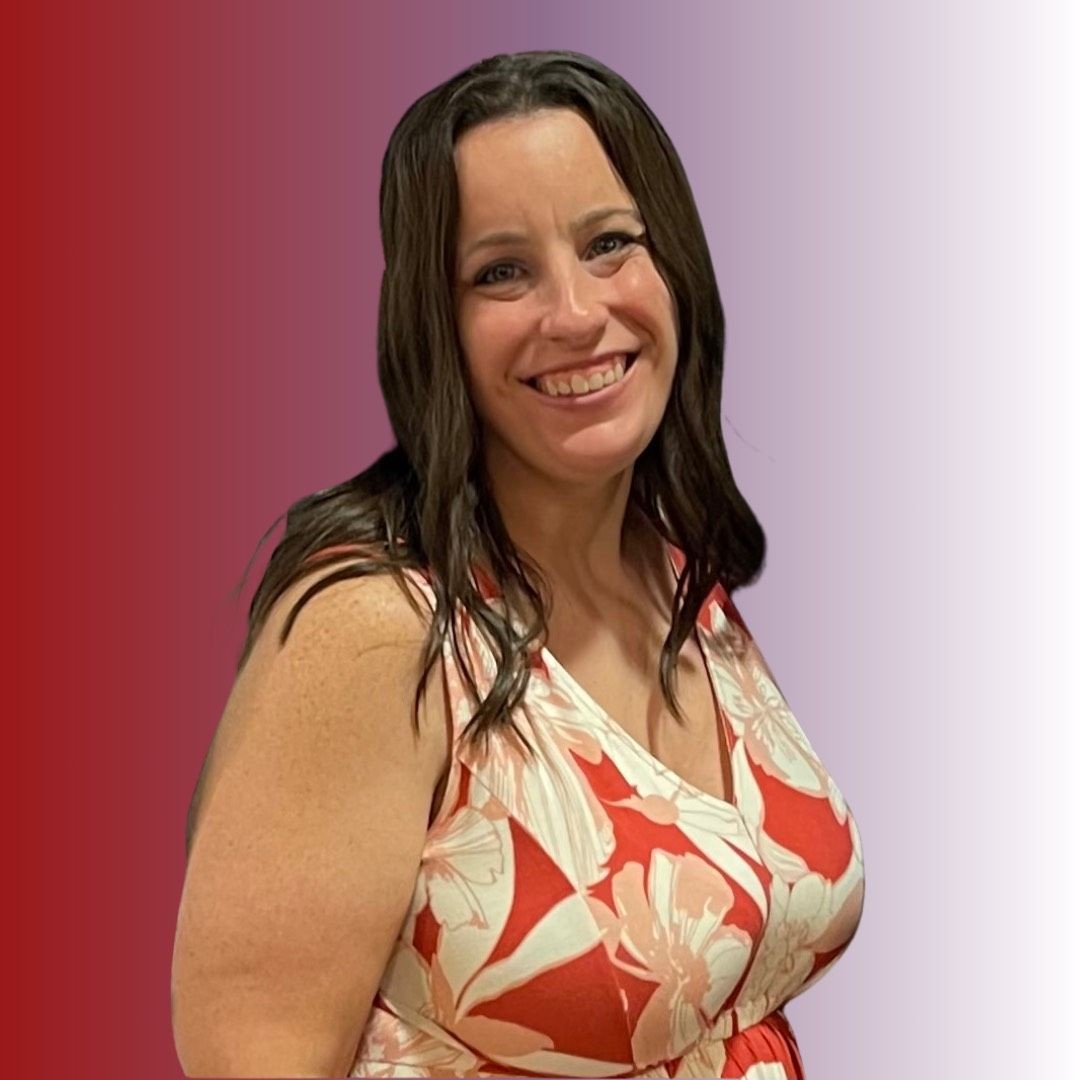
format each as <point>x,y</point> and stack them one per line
<point>587,912</point>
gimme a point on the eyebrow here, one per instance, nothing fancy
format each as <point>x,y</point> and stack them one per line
<point>593,216</point>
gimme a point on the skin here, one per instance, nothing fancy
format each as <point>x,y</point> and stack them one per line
<point>557,297</point>
<point>554,297</point>
<point>306,854</point>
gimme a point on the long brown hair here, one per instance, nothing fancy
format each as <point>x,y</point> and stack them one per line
<point>425,504</point>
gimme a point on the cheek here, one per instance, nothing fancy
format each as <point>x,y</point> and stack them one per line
<point>645,294</point>
<point>486,326</point>
<point>490,339</point>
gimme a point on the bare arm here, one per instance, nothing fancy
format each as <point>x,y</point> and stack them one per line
<point>309,838</point>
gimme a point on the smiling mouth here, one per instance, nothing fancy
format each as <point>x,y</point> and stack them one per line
<point>534,383</point>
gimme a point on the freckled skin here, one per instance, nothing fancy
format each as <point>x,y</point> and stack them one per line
<point>559,296</point>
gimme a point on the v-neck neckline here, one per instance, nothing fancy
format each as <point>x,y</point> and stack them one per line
<point>725,734</point>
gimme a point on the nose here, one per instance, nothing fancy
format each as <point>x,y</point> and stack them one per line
<point>575,312</point>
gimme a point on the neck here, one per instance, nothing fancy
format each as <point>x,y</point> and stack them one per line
<point>588,539</point>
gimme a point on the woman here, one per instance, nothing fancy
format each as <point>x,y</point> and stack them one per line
<point>454,821</point>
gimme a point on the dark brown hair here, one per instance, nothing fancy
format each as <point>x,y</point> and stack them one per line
<point>425,504</point>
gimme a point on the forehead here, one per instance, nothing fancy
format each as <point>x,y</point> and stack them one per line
<point>549,166</point>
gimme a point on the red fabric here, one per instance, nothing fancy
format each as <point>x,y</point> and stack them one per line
<point>591,913</point>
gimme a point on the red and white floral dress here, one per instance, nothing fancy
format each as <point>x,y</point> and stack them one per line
<point>589,913</point>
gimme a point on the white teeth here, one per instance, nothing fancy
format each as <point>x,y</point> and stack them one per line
<point>578,384</point>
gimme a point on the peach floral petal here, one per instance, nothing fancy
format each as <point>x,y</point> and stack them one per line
<point>656,808</point>
<point>466,852</point>
<point>644,922</point>
<point>798,916</point>
<point>500,1039</point>
<point>675,928</point>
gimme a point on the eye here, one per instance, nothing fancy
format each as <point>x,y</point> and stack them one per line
<point>485,277</point>
<point>616,236</point>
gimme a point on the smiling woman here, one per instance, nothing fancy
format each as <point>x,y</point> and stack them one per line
<point>480,835</point>
<point>538,197</point>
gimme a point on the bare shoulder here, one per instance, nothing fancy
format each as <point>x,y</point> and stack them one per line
<point>309,835</point>
<point>356,642</point>
<point>370,611</point>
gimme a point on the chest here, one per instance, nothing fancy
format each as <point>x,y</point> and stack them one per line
<point>622,678</point>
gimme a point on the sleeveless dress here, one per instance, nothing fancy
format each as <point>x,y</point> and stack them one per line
<point>588,913</point>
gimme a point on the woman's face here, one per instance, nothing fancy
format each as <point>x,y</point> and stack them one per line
<point>567,288</point>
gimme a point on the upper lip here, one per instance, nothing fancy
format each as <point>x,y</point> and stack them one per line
<point>586,362</point>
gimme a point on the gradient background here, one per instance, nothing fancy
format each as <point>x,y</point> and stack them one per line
<point>889,192</point>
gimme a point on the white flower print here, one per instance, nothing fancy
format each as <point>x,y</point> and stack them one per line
<point>549,796</point>
<point>798,915</point>
<point>758,712</point>
<point>389,1039</point>
<point>765,1070</point>
<point>675,929</point>
<point>463,853</point>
